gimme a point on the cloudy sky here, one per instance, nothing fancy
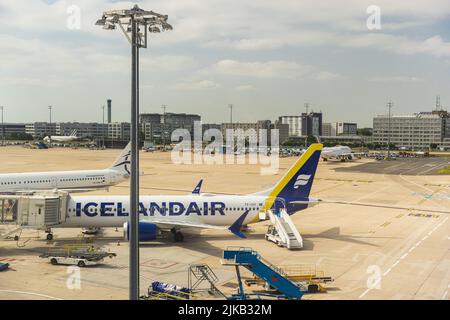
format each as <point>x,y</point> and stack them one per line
<point>266,57</point>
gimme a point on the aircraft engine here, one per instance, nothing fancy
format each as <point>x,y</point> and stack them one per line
<point>147,231</point>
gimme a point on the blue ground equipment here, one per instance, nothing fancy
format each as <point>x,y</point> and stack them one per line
<point>170,291</point>
<point>4,266</point>
<point>253,261</point>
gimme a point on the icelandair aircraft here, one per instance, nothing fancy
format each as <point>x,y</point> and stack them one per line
<point>198,210</point>
<point>68,180</point>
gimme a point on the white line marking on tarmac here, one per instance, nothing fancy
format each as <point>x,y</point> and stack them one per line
<point>446,292</point>
<point>404,256</point>
<point>31,294</point>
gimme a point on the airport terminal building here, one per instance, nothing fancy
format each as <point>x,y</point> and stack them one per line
<point>416,132</point>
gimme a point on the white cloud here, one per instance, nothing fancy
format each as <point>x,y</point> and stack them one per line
<point>197,85</point>
<point>245,87</point>
<point>395,79</point>
<point>269,69</point>
<point>325,75</point>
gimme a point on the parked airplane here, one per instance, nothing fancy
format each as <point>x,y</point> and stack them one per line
<point>68,180</point>
<point>342,153</point>
<point>70,138</point>
<point>198,210</point>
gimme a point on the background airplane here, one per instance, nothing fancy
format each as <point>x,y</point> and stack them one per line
<point>68,180</point>
<point>342,153</point>
<point>70,138</point>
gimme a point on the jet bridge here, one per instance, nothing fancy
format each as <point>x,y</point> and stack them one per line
<point>41,210</point>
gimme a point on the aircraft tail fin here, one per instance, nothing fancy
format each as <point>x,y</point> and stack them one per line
<point>297,182</point>
<point>197,187</point>
<point>123,161</point>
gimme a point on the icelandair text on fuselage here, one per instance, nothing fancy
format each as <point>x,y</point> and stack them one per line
<point>111,209</point>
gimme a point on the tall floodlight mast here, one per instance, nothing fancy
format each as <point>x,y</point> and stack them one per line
<point>135,24</point>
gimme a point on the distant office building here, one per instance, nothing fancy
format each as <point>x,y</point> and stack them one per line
<point>11,129</point>
<point>157,125</point>
<point>40,129</point>
<point>207,126</point>
<point>251,130</point>
<point>294,123</point>
<point>346,128</point>
<point>283,131</point>
<point>119,131</point>
<point>244,130</point>
<point>328,129</point>
<point>83,130</point>
<point>415,131</point>
<point>312,124</point>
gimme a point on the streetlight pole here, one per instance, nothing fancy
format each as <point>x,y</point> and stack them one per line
<point>137,22</point>
<point>389,105</point>
<point>3,127</point>
<point>231,114</point>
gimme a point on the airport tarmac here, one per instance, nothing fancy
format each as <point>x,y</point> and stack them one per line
<point>402,166</point>
<point>379,235</point>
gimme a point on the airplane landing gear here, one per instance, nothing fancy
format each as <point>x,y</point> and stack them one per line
<point>177,235</point>
<point>49,234</point>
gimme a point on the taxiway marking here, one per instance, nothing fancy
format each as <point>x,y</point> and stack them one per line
<point>404,256</point>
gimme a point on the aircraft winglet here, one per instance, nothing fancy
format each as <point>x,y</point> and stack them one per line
<point>235,228</point>
<point>198,187</point>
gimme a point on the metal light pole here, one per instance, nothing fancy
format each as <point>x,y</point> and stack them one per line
<point>134,23</point>
<point>389,105</point>
<point>3,127</point>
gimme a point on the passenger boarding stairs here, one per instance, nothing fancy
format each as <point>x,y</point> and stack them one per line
<point>199,273</point>
<point>263,269</point>
<point>5,234</point>
<point>284,227</point>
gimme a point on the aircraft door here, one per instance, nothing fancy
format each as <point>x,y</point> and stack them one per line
<point>54,182</point>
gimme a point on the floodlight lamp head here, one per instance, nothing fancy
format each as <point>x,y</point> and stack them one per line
<point>101,22</point>
<point>167,27</point>
<point>109,26</point>
<point>114,19</point>
<point>154,29</point>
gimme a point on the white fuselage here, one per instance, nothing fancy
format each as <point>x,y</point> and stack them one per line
<point>336,152</point>
<point>13,182</point>
<point>61,138</point>
<point>113,211</point>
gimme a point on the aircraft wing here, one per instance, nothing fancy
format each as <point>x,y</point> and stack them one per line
<point>235,228</point>
<point>164,224</point>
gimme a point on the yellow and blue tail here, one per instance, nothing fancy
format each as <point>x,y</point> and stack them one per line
<point>295,186</point>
